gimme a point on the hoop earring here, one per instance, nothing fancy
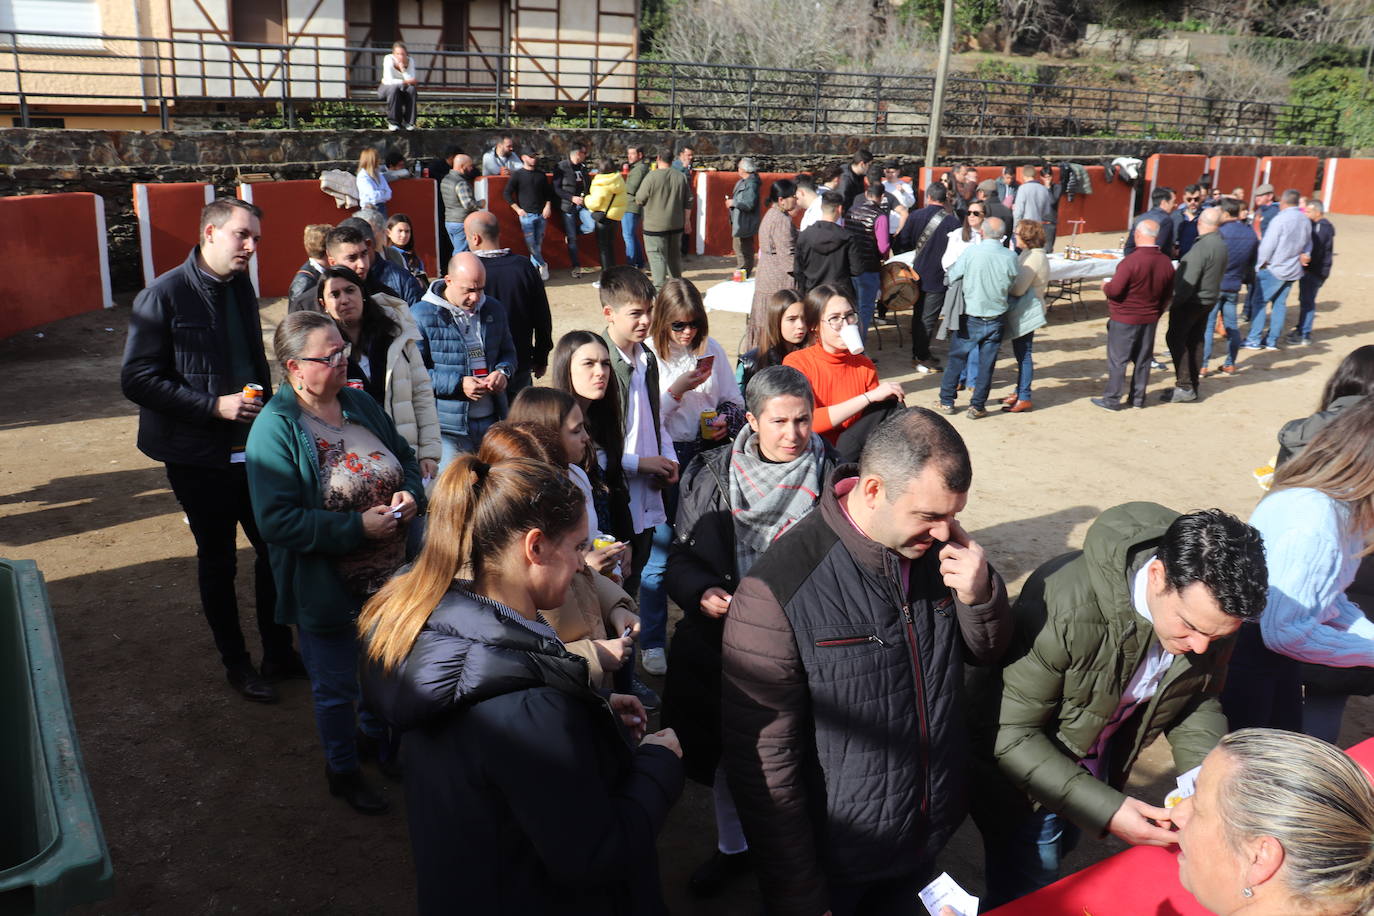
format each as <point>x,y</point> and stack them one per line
<point>1246,892</point>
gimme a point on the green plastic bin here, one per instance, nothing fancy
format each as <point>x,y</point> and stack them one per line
<point>52,851</point>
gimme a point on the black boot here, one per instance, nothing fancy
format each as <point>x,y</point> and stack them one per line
<point>712,875</point>
<point>250,684</point>
<point>353,788</point>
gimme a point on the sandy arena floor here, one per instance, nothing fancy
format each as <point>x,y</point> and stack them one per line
<point>212,805</point>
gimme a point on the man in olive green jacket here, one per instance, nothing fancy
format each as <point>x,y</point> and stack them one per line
<point>664,197</point>
<point>1115,644</point>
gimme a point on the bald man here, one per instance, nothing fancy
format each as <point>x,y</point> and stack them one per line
<point>466,344</point>
<point>1137,295</point>
<point>456,194</point>
<point>515,282</point>
<point>1197,286</point>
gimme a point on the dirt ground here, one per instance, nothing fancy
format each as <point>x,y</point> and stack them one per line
<point>212,805</point>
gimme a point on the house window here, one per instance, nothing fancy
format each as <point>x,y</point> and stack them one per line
<point>259,22</point>
<point>454,34</point>
<point>79,16</point>
<point>385,23</point>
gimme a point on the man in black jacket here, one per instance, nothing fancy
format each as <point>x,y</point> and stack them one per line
<point>514,282</point>
<point>926,231</point>
<point>825,253</point>
<point>195,341</point>
<point>570,183</point>
<point>843,666</point>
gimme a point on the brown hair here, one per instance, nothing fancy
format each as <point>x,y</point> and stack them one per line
<point>1031,232</point>
<point>770,336</point>
<point>520,440</point>
<point>218,211</point>
<point>678,300</point>
<point>547,408</point>
<point>1339,461</point>
<point>314,240</point>
<point>476,511</point>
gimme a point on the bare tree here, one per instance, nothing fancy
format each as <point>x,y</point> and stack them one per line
<point>1253,71</point>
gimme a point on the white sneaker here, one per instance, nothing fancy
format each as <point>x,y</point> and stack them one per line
<point>923,369</point>
<point>392,125</point>
<point>596,284</point>
<point>654,662</point>
<point>544,272</point>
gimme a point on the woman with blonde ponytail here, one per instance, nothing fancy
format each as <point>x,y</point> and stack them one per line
<point>527,791</point>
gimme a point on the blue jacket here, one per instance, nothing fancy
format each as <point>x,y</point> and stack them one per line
<point>1241,246</point>
<point>441,346</point>
<point>1165,239</point>
<point>399,279</point>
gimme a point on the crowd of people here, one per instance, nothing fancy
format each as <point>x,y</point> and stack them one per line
<point>475,530</point>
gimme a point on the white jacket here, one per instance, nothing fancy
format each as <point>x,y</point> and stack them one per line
<point>409,396</point>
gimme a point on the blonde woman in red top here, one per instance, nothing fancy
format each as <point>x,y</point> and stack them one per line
<point>845,384</point>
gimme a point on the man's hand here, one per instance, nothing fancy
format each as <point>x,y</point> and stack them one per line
<point>715,602</point>
<point>234,407</point>
<point>631,712</point>
<point>964,567</point>
<point>657,465</point>
<point>668,738</point>
<point>518,212</point>
<point>1131,823</point>
<point>539,370</point>
<point>496,381</point>
<point>474,389</point>
<point>547,212</point>
<point>613,653</point>
<point>576,200</point>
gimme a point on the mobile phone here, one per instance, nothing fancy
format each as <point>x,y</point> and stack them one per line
<point>706,362</point>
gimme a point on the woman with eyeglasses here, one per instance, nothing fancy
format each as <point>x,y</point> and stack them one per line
<point>777,255</point>
<point>334,486</point>
<point>845,384</point>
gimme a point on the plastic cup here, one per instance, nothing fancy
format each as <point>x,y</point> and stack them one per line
<point>849,334</point>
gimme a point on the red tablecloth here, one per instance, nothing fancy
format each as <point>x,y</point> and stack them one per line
<point>1142,881</point>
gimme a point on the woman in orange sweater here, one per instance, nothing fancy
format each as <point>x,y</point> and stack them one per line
<point>845,384</point>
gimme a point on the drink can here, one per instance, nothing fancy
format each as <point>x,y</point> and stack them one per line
<point>706,417</point>
<point>739,276</point>
<point>425,173</point>
<point>355,383</point>
<point>252,392</point>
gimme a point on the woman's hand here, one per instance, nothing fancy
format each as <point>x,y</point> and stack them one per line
<point>403,501</point>
<point>613,653</point>
<point>715,602</point>
<point>886,391</point>
<point>605,559</point>
<point>690,380</point>
<point>622,617</point>
<point>429,468</point>
<point>631,712</point>
<point>716,429</point>
<point>667,738</point>
<point>378,523</point>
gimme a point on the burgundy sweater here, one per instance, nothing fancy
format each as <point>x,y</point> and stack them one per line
<point>1142,287</point>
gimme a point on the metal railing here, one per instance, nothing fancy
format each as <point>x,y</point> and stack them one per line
<point>173,76</point>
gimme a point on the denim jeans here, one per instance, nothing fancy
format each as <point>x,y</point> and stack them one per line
<point>456,236</point>
<point>653,596</point>
<point>1025,369</point>
<point>1226,307</point>
<point>983,335</point>
<point>1026,857</point>
<point>629,231</point>
<point>532,225</point>
<point>572,228</point>
<point>1307,304</point>
<point>455,444</point>
<point>332,662</point>
<point>1321,715</point>
<point>216,504</point>
<point>1274,295</point>
<point>866,289</point>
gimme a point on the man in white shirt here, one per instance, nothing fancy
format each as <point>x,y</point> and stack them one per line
<point>900,190</point>
<point>501,158</point>
<point>398,88</point>
<point>1116,644</point>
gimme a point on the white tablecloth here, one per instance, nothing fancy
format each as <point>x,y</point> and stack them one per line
<point>1061,268</point>
<point>730,297</point>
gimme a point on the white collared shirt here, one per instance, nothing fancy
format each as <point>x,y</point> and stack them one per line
<point>646,502</point>
<point>1144,684</point>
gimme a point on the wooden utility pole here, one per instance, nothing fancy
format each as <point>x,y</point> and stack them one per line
<point>937,103</point>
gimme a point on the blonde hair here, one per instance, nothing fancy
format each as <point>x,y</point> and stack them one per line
<point>1313,799</point>
<point>475,512</point>
<point>1339,461</point>
<point>369,160</point>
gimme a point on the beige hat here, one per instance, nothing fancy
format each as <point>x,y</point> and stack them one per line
<point>1264,189</point>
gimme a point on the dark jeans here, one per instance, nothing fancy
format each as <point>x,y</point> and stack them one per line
<point>216,503</point>
<point>1050,232</point>
<point>606,231</point>
<point>893,897</point>
<point>1021,348</point>
<point>332,662</point>
<point>925,317</point>
<point>653,595</point>
<point>572,228</point>
<point>1187,325</point>
<point>523,378</point>
<point>1307,304</point>
<point>629,231</point>
<point>1129,343</point>
<point>1263,688</point>
<point>1026,857</point>
<point>400,103</point>
<point>983,335</point>
<point>640,546</point>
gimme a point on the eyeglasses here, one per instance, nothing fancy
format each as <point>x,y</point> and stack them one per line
<point>333,360</point>
<point>680,326</point>
<point>838,321</point>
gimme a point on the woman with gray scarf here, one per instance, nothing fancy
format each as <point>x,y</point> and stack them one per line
<point>734,503</point>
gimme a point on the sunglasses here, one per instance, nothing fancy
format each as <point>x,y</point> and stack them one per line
<point>680,326</point>
<point>976,213</point>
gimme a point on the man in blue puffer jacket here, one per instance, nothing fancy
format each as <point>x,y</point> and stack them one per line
<point>468,349</point>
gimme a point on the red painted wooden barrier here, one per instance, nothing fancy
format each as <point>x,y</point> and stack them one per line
<point>55,244</point>
<point>1285,172</point>
<point>1171,170</point>
<point>1349,186</point>
<point>168,223</point>
<point>1231,172</point>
